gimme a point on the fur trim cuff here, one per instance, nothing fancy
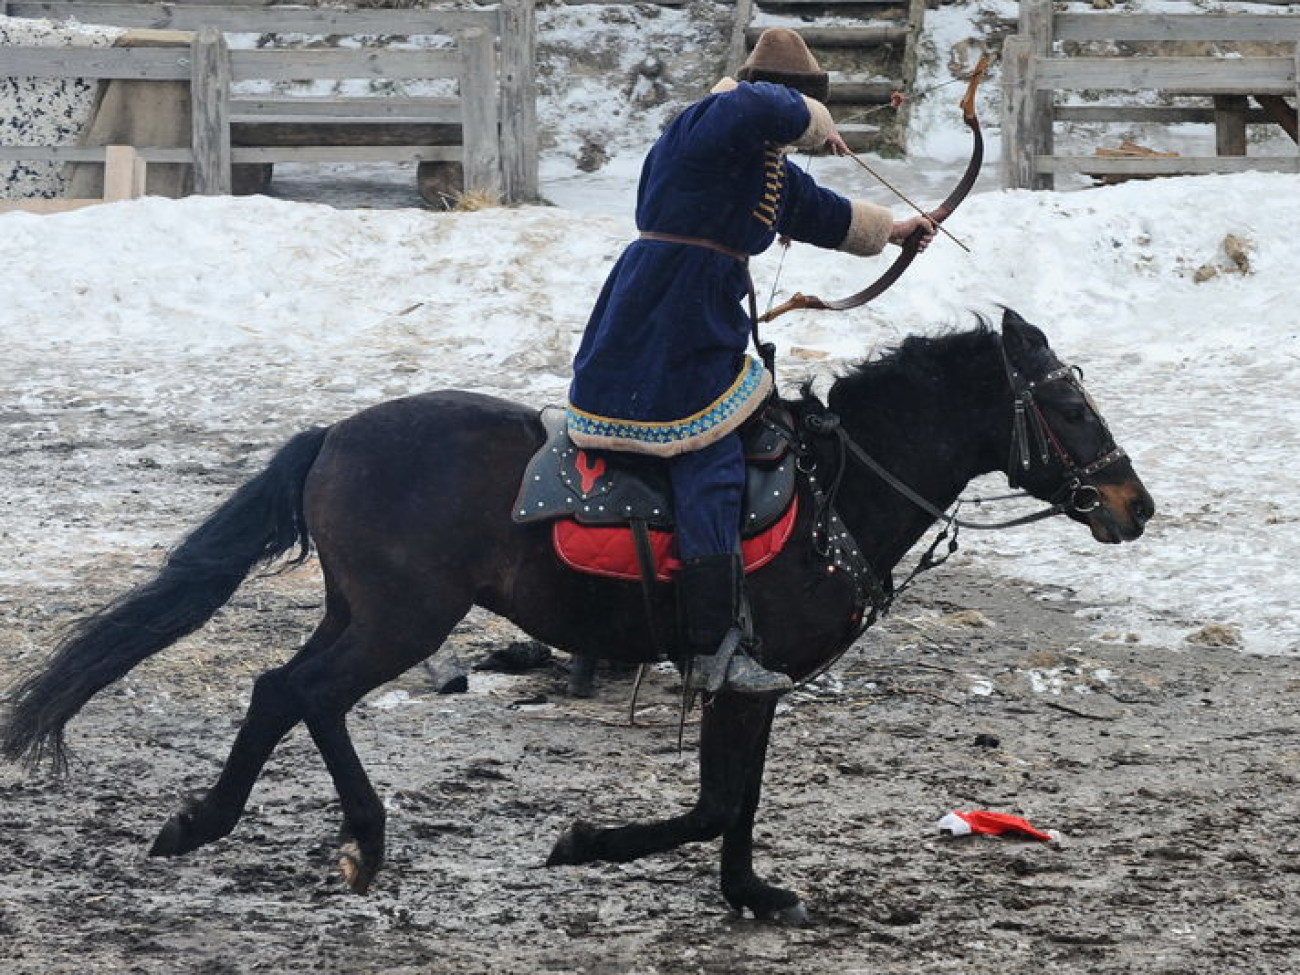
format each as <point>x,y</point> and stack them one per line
<point>819,128</point>
<point>869,229</point>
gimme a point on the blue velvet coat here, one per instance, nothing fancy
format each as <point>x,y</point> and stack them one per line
<point>661,368</point>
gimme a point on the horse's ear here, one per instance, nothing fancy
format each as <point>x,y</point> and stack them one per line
<point>1019,338</point>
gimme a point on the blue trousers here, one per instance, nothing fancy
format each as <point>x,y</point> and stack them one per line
<point>708,488</point>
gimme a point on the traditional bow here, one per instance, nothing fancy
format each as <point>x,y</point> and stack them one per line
<point>911,246</point>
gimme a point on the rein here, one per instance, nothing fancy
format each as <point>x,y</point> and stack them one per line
<point>830,424</point>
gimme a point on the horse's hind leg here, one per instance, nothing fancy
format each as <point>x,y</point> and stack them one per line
<point>271,714</point>
<point>328,685</point>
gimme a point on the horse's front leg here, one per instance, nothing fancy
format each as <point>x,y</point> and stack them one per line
<point>733,739</point>
<point>740,885</point>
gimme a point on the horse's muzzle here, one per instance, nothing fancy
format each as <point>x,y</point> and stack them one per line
<point>1116,512</point>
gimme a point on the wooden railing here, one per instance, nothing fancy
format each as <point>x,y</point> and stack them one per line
<point>1213,88</point>
<point>490,64</point>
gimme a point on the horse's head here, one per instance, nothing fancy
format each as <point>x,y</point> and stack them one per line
<point>1061,449</point>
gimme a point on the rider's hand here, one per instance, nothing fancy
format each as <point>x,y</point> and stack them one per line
<point>835,144</point>
<point>905,228</point>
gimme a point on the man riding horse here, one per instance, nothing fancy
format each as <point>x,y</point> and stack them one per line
<point>662,369</point>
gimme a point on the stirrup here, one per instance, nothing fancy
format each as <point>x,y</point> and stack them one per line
<point>731,668</point>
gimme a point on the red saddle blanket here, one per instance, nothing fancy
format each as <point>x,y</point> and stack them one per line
<point>610,550</point>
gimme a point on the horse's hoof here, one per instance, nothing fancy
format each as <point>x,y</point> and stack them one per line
<point>581,689</point>
<point>358,872</point>
<point>794,916</point>
<point>169,841</point>
<point>176,837</point>
<point>571,847</point>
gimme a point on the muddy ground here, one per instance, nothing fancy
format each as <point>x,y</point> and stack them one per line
<point>1170,774</point>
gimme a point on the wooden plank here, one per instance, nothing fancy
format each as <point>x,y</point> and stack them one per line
<point>819,37</point>
<point>1176,166</point>
<point>1230,125</point>
<point>518,94</point>
<point>366,120</point>
<point>478,98</point>
<point>1176,27</point>
<point>376,109</point>
<point>89,154</point>
<point>344,154</point>
<point>1153,114</point>
<point>1190,75</point>
<point>738,47</point>
<point>262,19</point>
<point>833,3</point>
<point>45,206</point>
<point>861,92</point>
<point>156,63</point>
<point>124,174</point>
<point>1036,25</point>
<point>1277,110</point>
<point>210,113</point>
<point>336,64</point>
<point>315,131</point>
<point>1026,118</point>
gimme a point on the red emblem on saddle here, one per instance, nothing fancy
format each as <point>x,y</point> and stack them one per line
<point>590,473</point>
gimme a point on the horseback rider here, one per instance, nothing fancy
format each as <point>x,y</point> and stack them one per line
<point>662,369</point>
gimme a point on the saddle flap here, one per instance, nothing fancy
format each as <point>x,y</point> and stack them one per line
<point>595,487</point>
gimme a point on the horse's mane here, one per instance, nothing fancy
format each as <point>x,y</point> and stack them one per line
<point>912,361</point>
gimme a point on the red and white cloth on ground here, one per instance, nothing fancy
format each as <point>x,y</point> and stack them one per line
<point>990,823</point>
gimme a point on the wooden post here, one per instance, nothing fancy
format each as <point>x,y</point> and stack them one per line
<point>1036,25</point>
<point>124,174</point>
<point>1295,118</point>
<point>1036,107</point>
<point>478,106</point>
<point>210,112</point>
<point>1017,114</point>
<point>519,101</point>
<point>738,50</point>
<point>1230,125</point>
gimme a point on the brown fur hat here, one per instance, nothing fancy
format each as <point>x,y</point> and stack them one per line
<point>782,57</point>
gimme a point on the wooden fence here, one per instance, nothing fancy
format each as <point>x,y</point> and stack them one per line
<point>1238,57</point>
<point>491,64</point>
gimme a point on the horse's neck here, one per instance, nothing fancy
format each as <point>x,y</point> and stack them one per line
<point>935,440</point>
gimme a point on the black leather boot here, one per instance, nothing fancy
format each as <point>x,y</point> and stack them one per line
<point>709,591</point>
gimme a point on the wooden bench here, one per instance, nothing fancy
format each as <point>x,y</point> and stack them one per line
<point>485,123</point>
<point>1233,58</point>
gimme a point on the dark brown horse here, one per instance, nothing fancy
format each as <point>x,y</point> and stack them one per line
<point>409,507</point>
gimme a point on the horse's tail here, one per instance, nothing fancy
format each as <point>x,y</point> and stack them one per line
<point>259,522</point>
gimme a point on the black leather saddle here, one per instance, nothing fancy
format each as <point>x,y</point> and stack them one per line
<point>610,487</point>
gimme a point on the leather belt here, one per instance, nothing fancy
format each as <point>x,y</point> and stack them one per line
<point>712,245</point>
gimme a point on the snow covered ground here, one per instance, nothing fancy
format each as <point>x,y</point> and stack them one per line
<point>208,329</point>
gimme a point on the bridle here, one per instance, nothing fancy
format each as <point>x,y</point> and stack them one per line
<point>1032,437</point>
